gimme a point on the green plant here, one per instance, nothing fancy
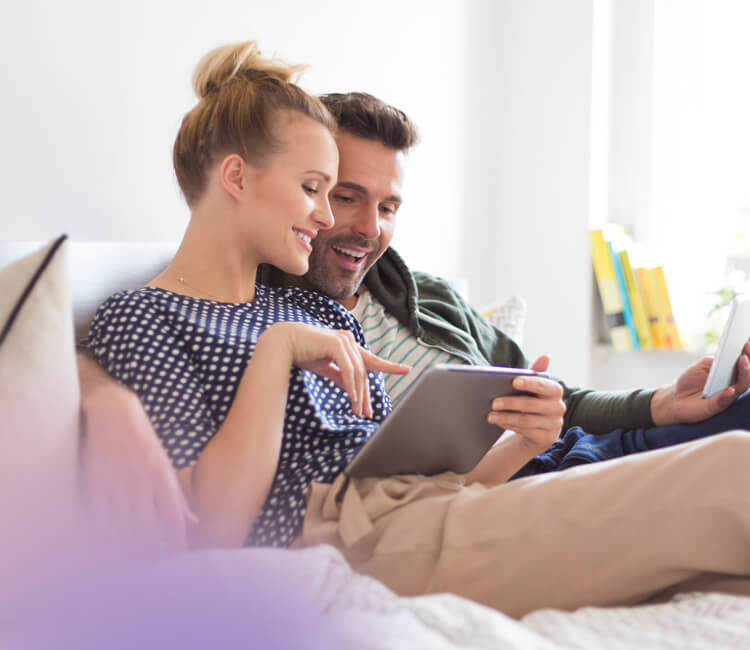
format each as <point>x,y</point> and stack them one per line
<point>716,314</point>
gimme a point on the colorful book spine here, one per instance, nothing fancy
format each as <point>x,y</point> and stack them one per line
<point>609,292</point>
<point>664,306</point>
<point>627,310</point>
<point>648,291</point>
<point>640,316</point>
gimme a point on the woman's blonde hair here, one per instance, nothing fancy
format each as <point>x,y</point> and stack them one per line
<point>240,95</point>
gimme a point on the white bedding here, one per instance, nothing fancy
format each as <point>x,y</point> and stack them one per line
<point>358,612</point>
<point>311,599</point>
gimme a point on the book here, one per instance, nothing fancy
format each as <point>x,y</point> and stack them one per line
<point>648,291</point>
<point>664,307</point>
<point>609,292</point>
<point>627,310</point>
<point>640,316</point>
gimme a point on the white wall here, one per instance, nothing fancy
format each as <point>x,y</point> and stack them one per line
<point>527,150</point>
<point>93,92</point>
<point>630,127</point>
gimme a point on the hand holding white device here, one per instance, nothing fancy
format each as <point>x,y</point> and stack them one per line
<point>733,338</point>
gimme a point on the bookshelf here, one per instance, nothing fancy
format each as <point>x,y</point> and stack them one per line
<point>634,299</point>
<point>611,369</point>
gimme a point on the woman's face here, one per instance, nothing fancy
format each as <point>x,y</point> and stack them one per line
<point>288,199</point>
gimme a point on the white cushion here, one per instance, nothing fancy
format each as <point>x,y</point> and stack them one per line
<point>99,269</point>
<point>508,316</point>
<point>39,418</point>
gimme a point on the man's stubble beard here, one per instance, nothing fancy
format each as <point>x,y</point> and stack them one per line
<point>320,279</point>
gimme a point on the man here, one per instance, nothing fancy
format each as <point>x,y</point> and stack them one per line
<point>415,319</point>
<point>608,533</point>
<point>419,320</point>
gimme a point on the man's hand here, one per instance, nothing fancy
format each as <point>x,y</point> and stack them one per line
<point>534,423</point>
<point>539,417</point>
<point>682,402</point>
<point>130,486</point>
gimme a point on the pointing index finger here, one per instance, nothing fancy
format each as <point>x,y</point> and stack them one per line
<point>373,362</point>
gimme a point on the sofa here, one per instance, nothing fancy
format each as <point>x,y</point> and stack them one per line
<point>54,595</point>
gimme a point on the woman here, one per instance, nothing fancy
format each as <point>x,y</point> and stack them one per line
<point>236,380</point>
<point>255,160</point>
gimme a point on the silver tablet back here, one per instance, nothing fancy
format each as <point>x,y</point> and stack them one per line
<point>439,425</point>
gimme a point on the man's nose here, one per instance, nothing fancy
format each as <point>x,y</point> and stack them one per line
<point>368,223</point>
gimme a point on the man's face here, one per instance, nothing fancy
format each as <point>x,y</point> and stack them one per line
<point>364,203</point>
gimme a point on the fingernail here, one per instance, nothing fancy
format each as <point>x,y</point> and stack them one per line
<point>498,404</point>
<point>520,383</point>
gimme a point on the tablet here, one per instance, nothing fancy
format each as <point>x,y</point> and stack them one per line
<point>733,338</point>
<point>440,424</point>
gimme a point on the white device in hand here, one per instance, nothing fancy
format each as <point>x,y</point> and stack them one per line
<point>733,338</point>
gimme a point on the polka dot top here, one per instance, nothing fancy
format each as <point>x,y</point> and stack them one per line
<point>184,357</point>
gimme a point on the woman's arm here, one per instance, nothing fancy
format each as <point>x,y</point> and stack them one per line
<point>128,481</point>
<point>230,482</point>
<point>505,458</point>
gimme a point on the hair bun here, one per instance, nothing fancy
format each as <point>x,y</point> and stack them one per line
<point>239,61</point>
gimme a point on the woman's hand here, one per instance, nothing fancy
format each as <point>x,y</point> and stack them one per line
<point>538,418</point>
<point>336,355</point>
<point>232,479</point>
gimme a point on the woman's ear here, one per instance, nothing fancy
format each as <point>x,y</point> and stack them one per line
<point>232,173</point>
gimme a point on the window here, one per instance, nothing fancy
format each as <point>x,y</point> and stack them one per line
<point>671,141</point>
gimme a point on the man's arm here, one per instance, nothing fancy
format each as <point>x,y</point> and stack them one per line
<point>484,344</point>
<point>130,486</point>
<point>441,313</point>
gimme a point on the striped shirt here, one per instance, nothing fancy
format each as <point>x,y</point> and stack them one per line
<point>392,341</point>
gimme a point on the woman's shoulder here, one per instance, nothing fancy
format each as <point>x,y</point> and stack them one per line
<point>127,311</point>
<point>149,299</point>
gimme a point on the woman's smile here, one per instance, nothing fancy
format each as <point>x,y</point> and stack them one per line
<point>305,237</point>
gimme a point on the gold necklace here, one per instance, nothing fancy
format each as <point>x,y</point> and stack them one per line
<point>181,279</point>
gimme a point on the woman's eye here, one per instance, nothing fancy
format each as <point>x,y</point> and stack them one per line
<point>310,189</point>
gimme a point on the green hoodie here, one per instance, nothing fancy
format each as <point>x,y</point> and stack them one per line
<point>439,317</point>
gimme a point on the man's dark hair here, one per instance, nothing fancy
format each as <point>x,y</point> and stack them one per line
<point>371,118</point>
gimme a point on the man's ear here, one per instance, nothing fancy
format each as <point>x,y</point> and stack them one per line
<point>232,173</point>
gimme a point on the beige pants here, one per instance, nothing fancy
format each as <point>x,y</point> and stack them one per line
<point>611,533</point>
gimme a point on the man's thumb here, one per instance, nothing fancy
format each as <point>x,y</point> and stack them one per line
<point>541,364</point>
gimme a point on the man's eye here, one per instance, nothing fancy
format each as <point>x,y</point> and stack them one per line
<point>342,198</point>
<point>310,189</point>
<point>387,209</point>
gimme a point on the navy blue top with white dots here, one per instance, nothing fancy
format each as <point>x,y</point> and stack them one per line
<point>184,357</point>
